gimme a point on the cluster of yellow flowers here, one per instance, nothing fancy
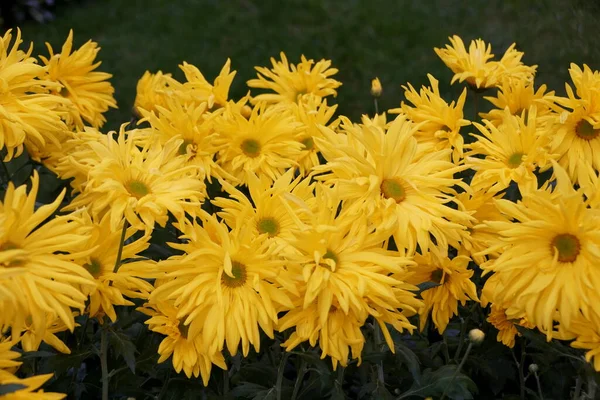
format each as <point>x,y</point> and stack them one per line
<point>326,223</point>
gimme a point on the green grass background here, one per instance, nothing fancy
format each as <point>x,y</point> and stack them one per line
<point>392,39</point>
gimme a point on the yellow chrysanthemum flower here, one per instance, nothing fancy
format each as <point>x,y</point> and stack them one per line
<point>143,185</point>
<point>89,91</point>
<point>28,116</point>
<point>550,247</point>
<point>189,354</point>
<point>225,285</point>
<point>577,123</point>
<point>31,389</point>
<point>455,285</point>
<point>513,151</point>
<point>263,144</point>
<point>265,210</point>
<point>8,357</point>
<point>189,123</point>
<point>200,90</point>
<point>586,332</point>
<point>476,66</point>
<point>439,122</point>
<point>506,326</point>
<point>101,262</point>
<point>386,174</point>
<point>518,96</point>
<point>37,276</point>
<point>30,339</point>
<point>343,265</point>
<point>289,81</point>
<point>154,90</point>
<point>481,206</point>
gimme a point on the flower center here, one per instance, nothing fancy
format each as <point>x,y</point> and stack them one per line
<point>94,267</point>
<point>308,143</point>
<point>392,189</point>
<point>330,255</point>
<point>137,189</point>
<point>183,148</point>
<point>238,270</point>
<point>519,111</point>
<point>437,276</point>
<point>568,247</point>
<point>183,329</point>
<point>251,148</point>
<point>586,131</point>
<point>268,225</point>
<point>515,160</point>
<point>17,261</point>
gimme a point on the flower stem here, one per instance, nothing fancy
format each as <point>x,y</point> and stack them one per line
<point>376,106</point>
<point>462,362</point>
<point>299,378</point>
<point>378,344</point>
<point>104,362</point>
<point>225,383</point>
<point>539,387</point>
<point>461,339</point>
<point>121,245</point>
<point>280,370</point>
<point>520,366</point>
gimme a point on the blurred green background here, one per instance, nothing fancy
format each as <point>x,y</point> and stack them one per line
<point>392,39</point>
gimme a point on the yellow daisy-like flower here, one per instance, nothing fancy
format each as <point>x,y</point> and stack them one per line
<point>28,116</point>
<point>513,151</point>
<point>189,354</point>
<point>265,210</point>
<point>114,281</point>
<point>200,90</point>
<point>30,339</point>
<point>189,123</point>
<point>8,357</point>
<point>439,122</point>
<point>387,175</point>
<point>225,285</point>
<point>263,144</point>
<point>37,276</point>
<point>455,285</point>
<point>154,90</point>
<point>477,67</point>
<point>577,124</point>
<point>313,112</point>
<point>292,82</point>
<point>31,389</point>
<point>518,96</point>
<point>344,266</point>
<point>506,326</point>
<point>143,185</point>
<point>88,90</point>
<point>481,206</point>
<point>550,247</point>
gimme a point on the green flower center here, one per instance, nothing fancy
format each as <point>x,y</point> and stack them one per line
<point>238,270</point>
<point>183,148</point>
<point>183,329</point>
<point>437,276</point>
<point>568,247</point>
<point>268,225</point>
<point>515,160</point>
<point>330,255</point>
<point>519,111</point>
<point>586,131</point>
<point>392,189</point>
<point>308,143</point>
<point>137,189</point>
<point>251,148</point>
<point>94,267</point>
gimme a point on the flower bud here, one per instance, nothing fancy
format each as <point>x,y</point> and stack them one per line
<point>476,336</point>
<point>376,88</point>
<point>533,368</point>
<point>246,111</point>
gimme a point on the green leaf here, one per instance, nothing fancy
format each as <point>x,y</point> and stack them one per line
<point>427,285</point>
<point>37,354</point>
<point>123,347</point>
<point>443,380</point>
<point>247,389</point>
<point>409,358</point>
<point>11,388</point>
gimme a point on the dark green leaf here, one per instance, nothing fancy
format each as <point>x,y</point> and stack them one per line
<point>427,285</point>
<point>37,354</point>
<point>123,347</point>
<point>11,388</point>
<point>409,358</point>
<point>247,389</point>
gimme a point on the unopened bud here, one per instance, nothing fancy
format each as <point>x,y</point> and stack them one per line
<point>476,336</point>
<point>376,88</point>
<point>533,368</point>
<point>246,111</point>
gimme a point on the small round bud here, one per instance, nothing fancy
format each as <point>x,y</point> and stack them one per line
<point>376,88</point>
<point>476,336</point>
<point>246,111</point>
<point>533,368</point>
